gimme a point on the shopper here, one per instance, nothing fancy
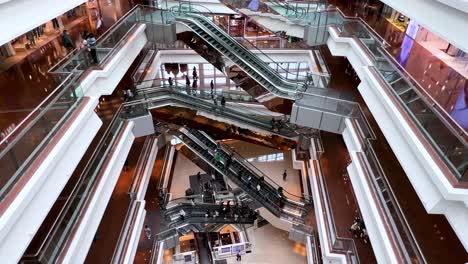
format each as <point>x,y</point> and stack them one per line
<point>91,43</point>
<point>67,41</point>
<point>212,86</point>
<point>147,232</point>
<point>187,81</point>
<point>194,73</point>
<point>285,175</point>
<point>170,81</point>
<point>198,176</point>
<point>223,101</point>
<point>238,256</point>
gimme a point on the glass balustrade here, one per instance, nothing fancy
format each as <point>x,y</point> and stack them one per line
<point>20,148</point>
<point>435,124</point>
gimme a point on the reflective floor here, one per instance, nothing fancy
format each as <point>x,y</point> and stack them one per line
<point>24,85</point>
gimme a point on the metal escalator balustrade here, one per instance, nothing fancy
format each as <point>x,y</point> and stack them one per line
<point>244,58</point>
<point>291,198</point>
<point>277,202</point>
<point>154,97</point>
<point>271,202</point>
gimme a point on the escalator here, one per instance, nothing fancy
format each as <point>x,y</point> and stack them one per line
<point>241,65</point>
<point>307,103</point>
<point>202,213</point>
<point>202,244</point>
<point>243,174</point>
<point>156,97</point>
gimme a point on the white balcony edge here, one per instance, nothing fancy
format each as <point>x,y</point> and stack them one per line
<point>90,220</point>
<point>433,188</point>
<point>24,216</point>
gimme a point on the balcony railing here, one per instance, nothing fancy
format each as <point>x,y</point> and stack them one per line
<point>23,145</point>
<point>437,126</point>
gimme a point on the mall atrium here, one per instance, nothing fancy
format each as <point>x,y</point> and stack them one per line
<point>234,131</point>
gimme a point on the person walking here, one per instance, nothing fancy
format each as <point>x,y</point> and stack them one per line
<point>170,81</point>
<point>91,43</point>
<point>194,73</point>
<point>285,175</point>
<point>223,101</point>
<point>238,256</point>
<point>212,86</point>
<point>148,232</point>
<point>187,81</point>
<point>67,41</point>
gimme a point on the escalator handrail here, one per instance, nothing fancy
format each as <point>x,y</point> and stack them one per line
<point>270,203</point>
<point>232,113</point>
<point>254,169</point>
<point>272,191</point>
<point>281,78</point>
<point>94,157</point>
<point>253,55</point>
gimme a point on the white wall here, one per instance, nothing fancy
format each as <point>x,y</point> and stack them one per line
<point>19,16</point>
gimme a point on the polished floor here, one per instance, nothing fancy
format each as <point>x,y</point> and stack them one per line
<point>344,207</point>
<point>272,246</point>
<point>24,85</point>
<point>108,232</point>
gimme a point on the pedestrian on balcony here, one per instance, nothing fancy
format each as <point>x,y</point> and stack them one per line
<point>258,187</point>
<point>187,81</point>
<point>285,175</point>
<point>212,86</point>
<point>194,73</point>
<point>170,81</point>
<point>195,83</point>
<point>67,41</point>
<point>148,232</point>
<point>91,44</point>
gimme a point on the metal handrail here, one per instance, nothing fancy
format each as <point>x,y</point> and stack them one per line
<point>73,194</point>
<point>253,168</point>
<point>208,11</point>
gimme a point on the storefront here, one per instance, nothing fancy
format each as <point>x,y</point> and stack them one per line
<point>42,34</point>
<point>396,18</point>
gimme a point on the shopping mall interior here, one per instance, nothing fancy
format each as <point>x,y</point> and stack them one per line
<point>234,131</point>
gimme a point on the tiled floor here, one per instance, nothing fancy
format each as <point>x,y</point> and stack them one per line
<point>344,207</point>
<point>180,179</point>
<point>107,235</point>
<point>272,162</point>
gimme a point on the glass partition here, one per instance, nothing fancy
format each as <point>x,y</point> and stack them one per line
<point>23,145</point>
